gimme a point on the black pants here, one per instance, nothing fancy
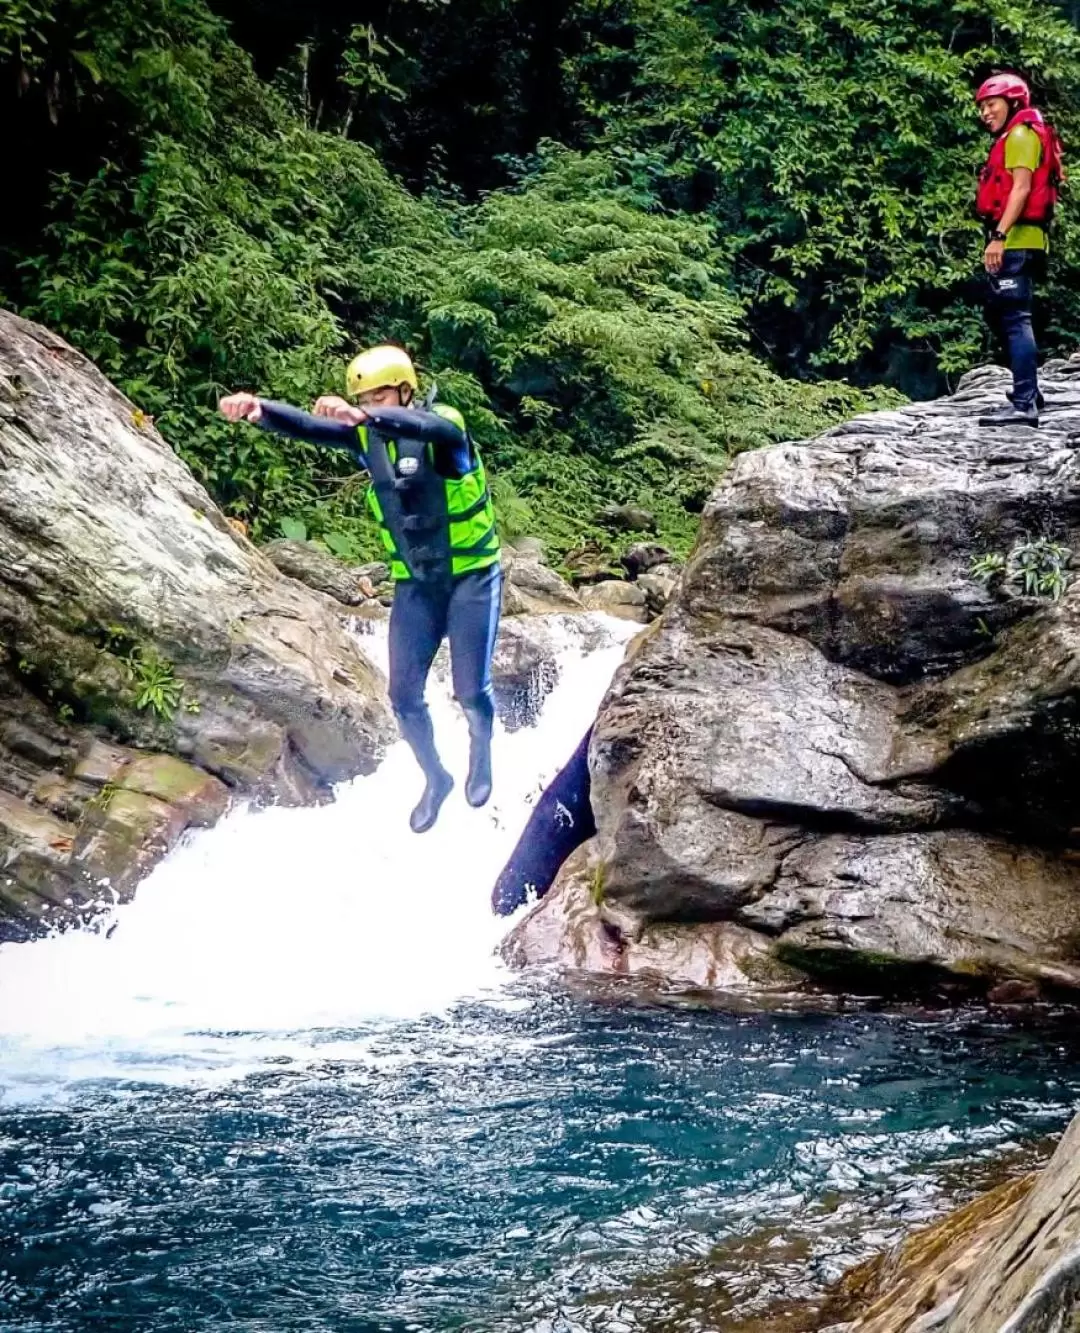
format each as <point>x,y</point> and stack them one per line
<point>465,610</point>
<point>1009,300</point>
<point>563,820</point>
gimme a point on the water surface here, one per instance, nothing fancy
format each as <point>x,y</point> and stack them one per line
<point>291,1088</point>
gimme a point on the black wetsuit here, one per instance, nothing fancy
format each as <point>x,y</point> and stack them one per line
<point>562,821</point>
<point>463,609</point>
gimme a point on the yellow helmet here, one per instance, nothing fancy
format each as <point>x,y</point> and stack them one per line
<point>379,368</point>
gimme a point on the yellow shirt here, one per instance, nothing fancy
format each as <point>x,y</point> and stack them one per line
<point>1024,149</point>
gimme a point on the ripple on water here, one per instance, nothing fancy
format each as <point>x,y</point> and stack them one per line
<point>548,1165</point>
<point>265,1102</point>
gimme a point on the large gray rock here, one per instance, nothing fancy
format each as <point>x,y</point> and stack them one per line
<point>322,571</point>
<point>524,671</point>
<point>531,588</point>
<point>612,597</point>
<point>627,518</point>
<point>1029,1281</point>
<point>568,932</point>
<point>658,586</point>
<point>839,738</point>
<point>121,584</point>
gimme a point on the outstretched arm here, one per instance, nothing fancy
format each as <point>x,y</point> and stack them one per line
<point>286,420</point>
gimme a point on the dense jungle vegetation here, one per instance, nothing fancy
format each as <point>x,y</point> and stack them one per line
<point>627,237</point>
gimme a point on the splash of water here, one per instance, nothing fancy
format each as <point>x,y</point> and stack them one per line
<point>269,934</point>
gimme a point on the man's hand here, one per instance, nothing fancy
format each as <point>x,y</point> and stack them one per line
<point>329,405</point>
<point>993,256</point>
<point>241,407</point>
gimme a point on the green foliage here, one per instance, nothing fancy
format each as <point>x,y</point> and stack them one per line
<point>1037,567</point>
<point>516,516</point>
<point>156,685</point>
<point>294,529</point>
<point>990,568</point>
<point>606,340</point>
<point>835,144</point>
<point>220,242</point>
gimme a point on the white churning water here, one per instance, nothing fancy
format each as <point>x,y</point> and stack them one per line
<point>280,932</point>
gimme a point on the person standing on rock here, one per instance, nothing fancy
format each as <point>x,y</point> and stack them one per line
<point>1018,188</point>
<point>430,498</point>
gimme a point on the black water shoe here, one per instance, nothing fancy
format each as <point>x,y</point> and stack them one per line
<point>1040,401</point>
<point>478,784</point>
<point>416,729</point>
<point>1012,416</point>
<point>426,811</point>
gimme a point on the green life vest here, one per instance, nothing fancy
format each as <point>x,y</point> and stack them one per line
<point>433,527</point>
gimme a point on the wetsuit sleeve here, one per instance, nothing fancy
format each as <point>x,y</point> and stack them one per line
<point>450,445</point>
<point>285,420</point>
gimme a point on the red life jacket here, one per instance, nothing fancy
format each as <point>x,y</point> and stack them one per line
<point>995,183</point>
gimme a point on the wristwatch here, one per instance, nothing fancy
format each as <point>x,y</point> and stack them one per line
<point>999,236</point>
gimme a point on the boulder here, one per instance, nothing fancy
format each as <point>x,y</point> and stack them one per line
<point>133,616</point>
<point>567,931</point>
<point>1007,1262</point>
<point>325,572</point>
<point>627,518</point>
<point>525,548</point>
<point>912,1287</point>
<point>531,588</point>
<point>643,556</point>
<point>658,588</point>
<point>1029,1280</point>
<point>845,737</point>
<point>525,664</point>
<point>591,563</point>
<point>613,598</point>
<point>524,671</point>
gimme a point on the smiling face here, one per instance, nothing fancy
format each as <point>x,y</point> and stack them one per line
<point>994,113</point>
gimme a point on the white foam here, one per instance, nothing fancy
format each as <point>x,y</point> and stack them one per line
<point>256,937</point>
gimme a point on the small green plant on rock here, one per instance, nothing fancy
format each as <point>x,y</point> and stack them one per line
<point>103,799</point>
<point>1040,567</point>
<point>989,568</point>
<point>1036,568</point>
<point>157,686</point>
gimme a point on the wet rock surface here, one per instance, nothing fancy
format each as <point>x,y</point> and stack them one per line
<point>853,732</point>
<point>1007,1262</point>
<point>133,616</point>
<point>531,588</point>
<point>614,598</point>
<point>322,571</point>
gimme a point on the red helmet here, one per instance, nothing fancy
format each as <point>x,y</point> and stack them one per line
<point>1010,86</point>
